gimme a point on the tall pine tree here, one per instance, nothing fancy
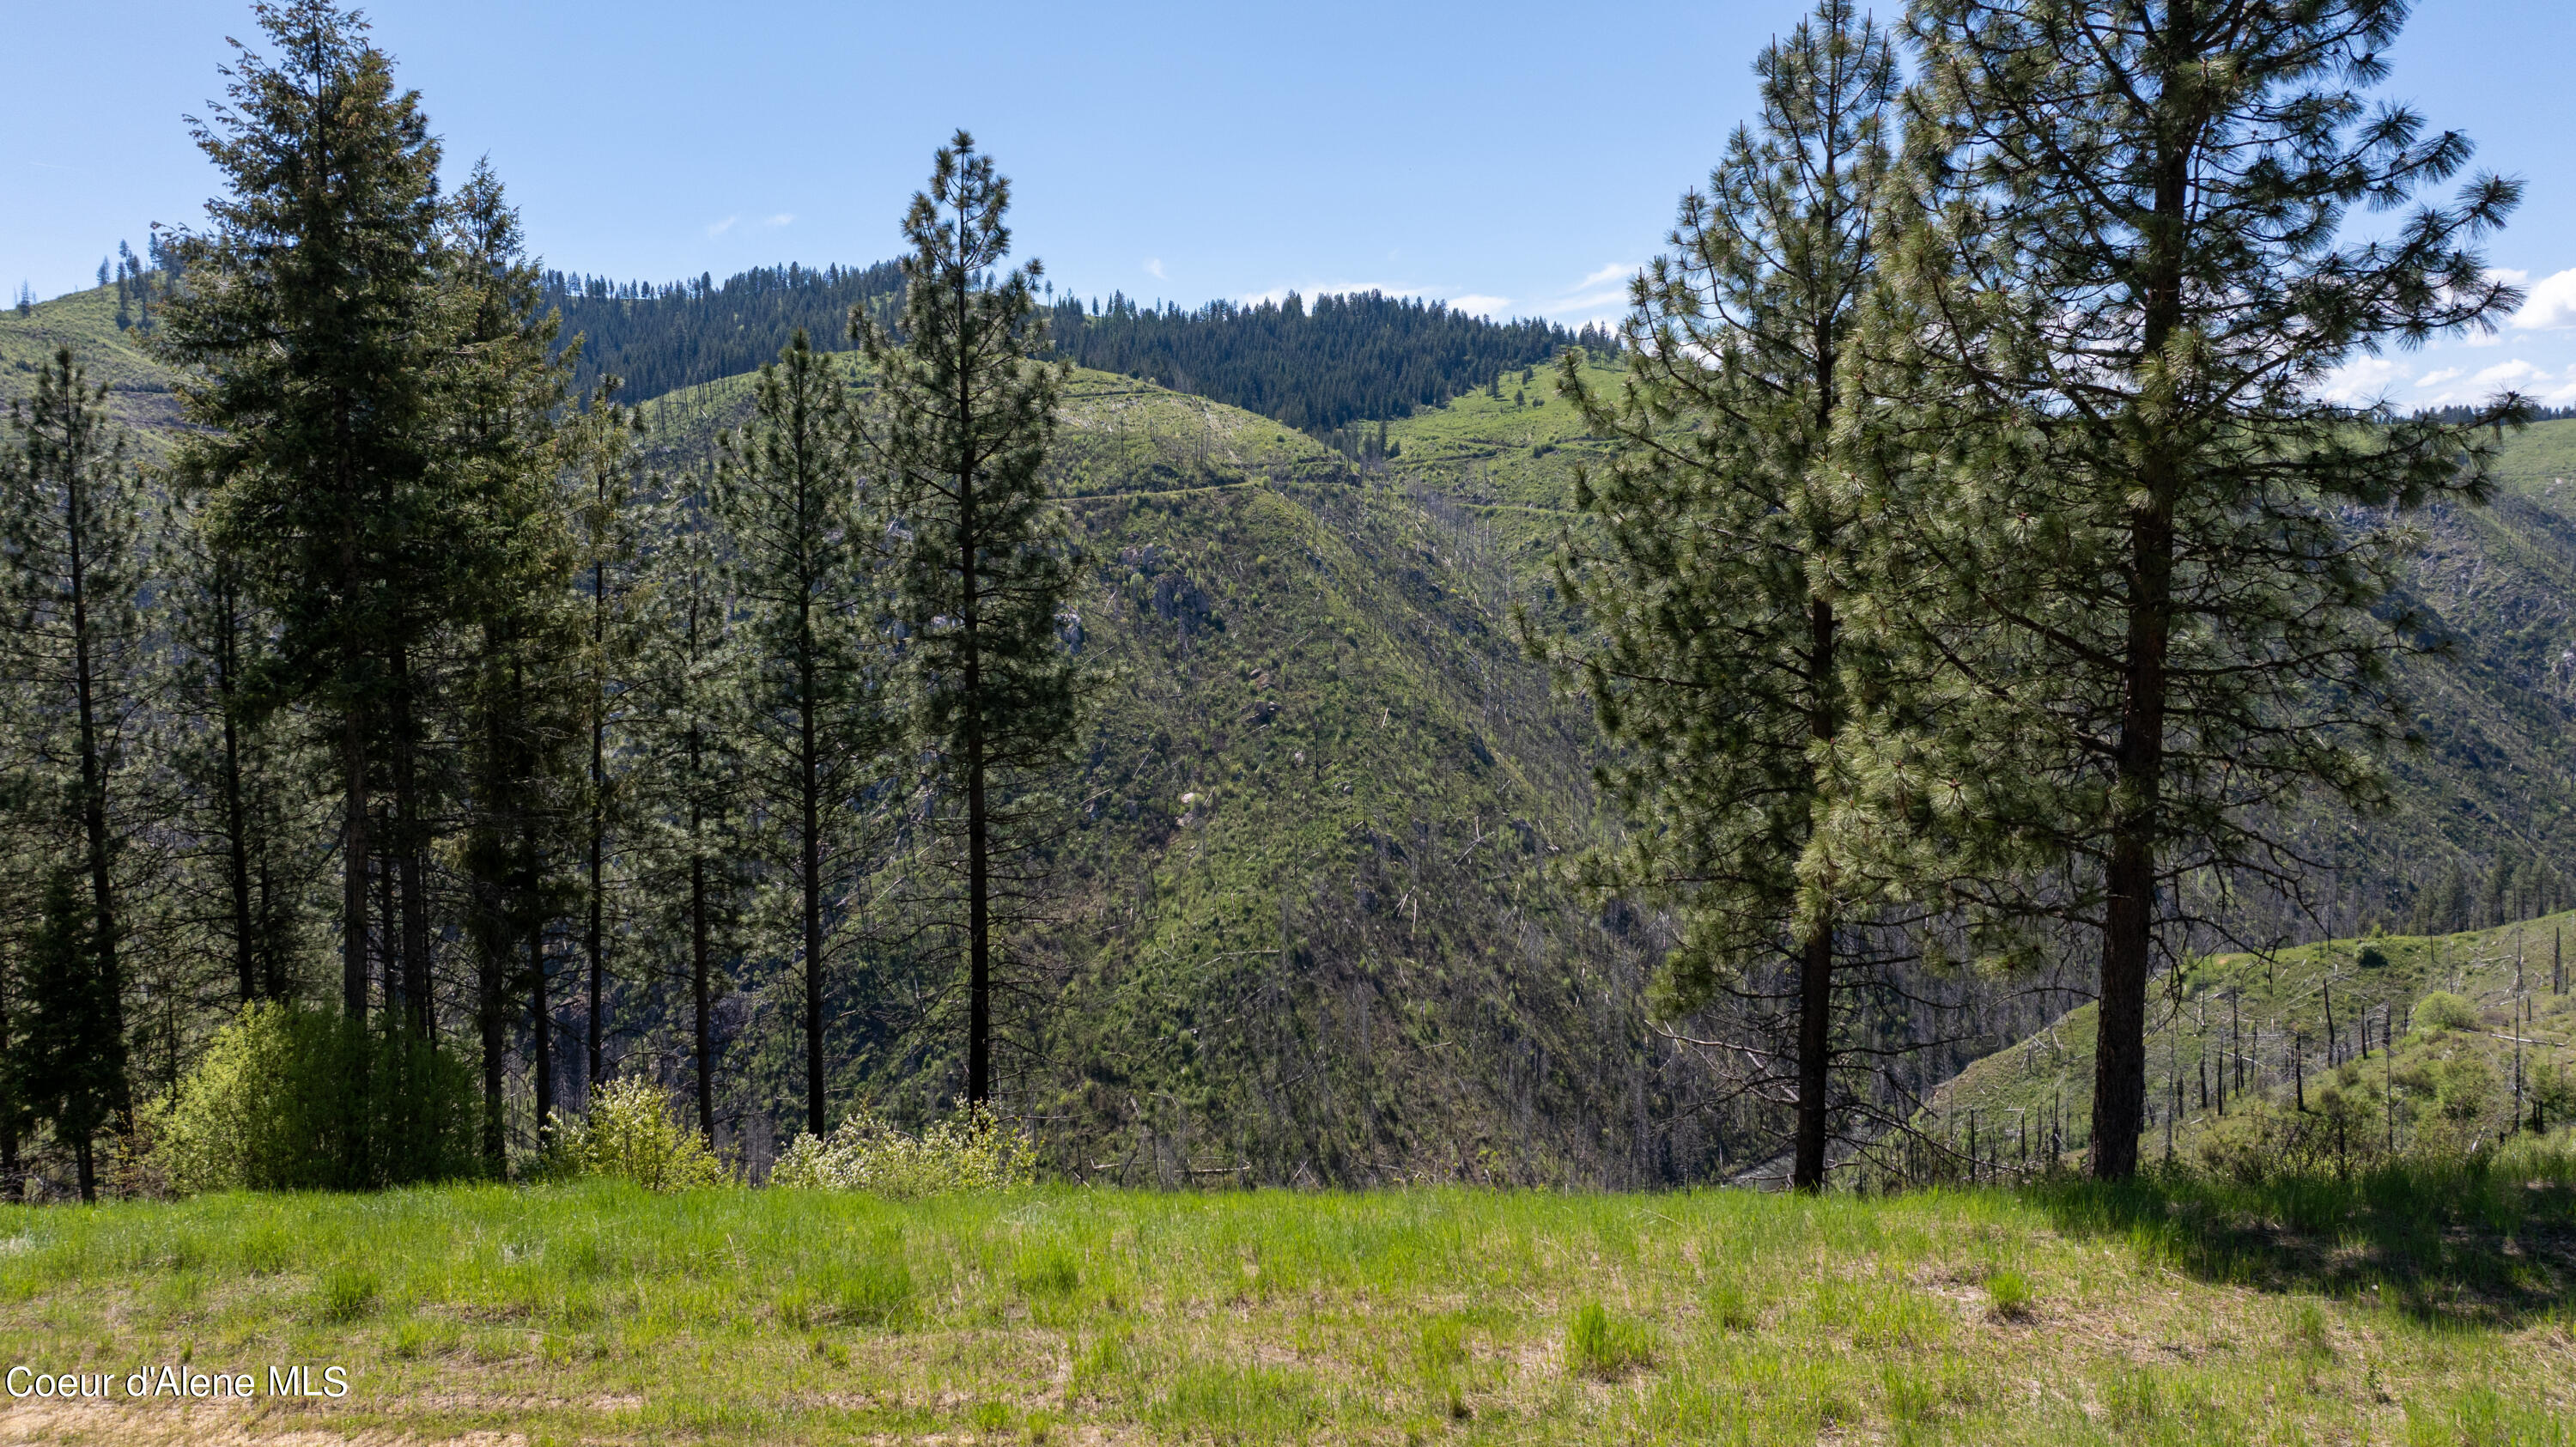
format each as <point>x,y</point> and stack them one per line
<point>1722,538</point>
<point>307,330</point>
<point>959,437</point>
<point>789,499</point>
<point>72,565</point>
<point>2115,537</point>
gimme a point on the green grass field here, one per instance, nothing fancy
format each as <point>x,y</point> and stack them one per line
<point>2060,1314</point>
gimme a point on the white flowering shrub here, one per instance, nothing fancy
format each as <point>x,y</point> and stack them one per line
<point>971,1151</point>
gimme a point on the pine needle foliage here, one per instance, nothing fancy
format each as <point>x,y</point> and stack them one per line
<point>1722,539</point>
<point>73,560</point>
<point>959,435</point>
<point>815,655</point>
<point>307,330</point>
<point>2131,546</point>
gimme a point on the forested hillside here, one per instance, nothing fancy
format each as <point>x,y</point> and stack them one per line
<point>1342,359</point>
<point>1343,955</point>
<point>1315,366</point>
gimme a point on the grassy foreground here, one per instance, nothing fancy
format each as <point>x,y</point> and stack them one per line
<point>2163,1314</point>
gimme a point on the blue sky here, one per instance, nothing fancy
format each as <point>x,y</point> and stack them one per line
<point>1514,158</point>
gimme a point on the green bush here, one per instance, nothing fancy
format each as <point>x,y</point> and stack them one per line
<point>2442,1010</point>
<point>628,1134</point>
<point>973,1151</point>
<point>288,1098</point>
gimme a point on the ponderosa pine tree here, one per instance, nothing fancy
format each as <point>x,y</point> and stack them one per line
<point>72,566</point>
<point>687,772</point>
<point>2129,537</point>
<point>519,695</point>
<point>1721,537</point>
<point>69,1065</point>
<point>239,800</point>
<point>604,472</point>
<point>307,334</point>
<point>789,497</point>
<point>959,441</point>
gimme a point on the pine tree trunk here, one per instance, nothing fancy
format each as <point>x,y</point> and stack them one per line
<point>111,983</point>
<point>2129,912</point>
<point>979,955</point>
<point>810,801</point>
<point>86,1164</point>
<point>416,1012</point>
<point>353,867</point>
<point>227,662</point>
<point>1815,1034</point>
<point>698,993</point>
<point>542,1009</point>
<point>490,1005</point>
<point>596,942</point>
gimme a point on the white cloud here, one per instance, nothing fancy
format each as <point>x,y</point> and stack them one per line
<point>1478,304</point>
<point>2503,372</point>
<point>1154,268</point>
<point>2552,304</point>
<point>2360,382</point>
<point>721,227</point>
<point>1618,271</point>
<point>2435,379</point>
<point>781,219</point>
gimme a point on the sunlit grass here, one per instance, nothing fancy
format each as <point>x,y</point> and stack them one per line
<point>1451,1315</point>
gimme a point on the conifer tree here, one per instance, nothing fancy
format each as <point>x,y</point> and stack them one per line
<point>519,696</point>
<point>2113,537</point>
<point>959,439</point>
<point>789,499</point>
<point>1722,539</point>
<point>69,1065</point>
<point>604,473</point>
<point>688,773</point>
<point>72,566</point>
<point>234,762</point>
<point>307,333</point>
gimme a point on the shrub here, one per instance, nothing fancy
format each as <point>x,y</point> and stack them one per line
<point>972,1151</point>
<point>629,1134</point>
<point>2442,1010</point>
<point>289,1098</point>
<point>1601,1345</point>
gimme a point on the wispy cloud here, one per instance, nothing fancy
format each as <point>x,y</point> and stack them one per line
<point>783,218</point>
<point>719,228</point>
<point>1154,268</point>
<point>2435,379</point>
<point>1478,304</point>
<point>1618,271</point>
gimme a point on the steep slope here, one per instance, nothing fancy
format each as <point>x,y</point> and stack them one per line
<point>1304,928</point>
<point>2285,1060</point>
<point>2496,695</point>
<point>138,386</point>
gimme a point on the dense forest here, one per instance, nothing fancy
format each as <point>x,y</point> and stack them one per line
<point>1343,359</point>
<point>1364,356</point>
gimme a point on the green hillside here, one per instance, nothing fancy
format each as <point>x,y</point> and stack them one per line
<point>2257,1063</point>
<point>1308,931</point>
<point>1307,928</point>
<point>139,392</point>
